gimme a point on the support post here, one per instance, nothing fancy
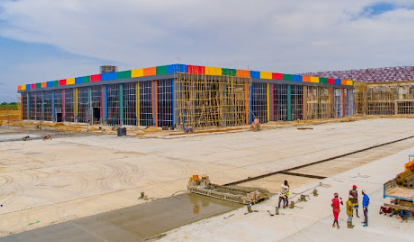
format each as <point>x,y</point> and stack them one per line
<point>289,102</point>
<point>121,103</point>
<point>305,102</point>
<point>105,103</point>
<point>138,103</point>
<point>53,107</point>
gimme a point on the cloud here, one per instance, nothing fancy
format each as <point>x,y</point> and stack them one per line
<point>288,36</point>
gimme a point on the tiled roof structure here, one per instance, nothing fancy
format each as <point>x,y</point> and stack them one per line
<point>376,75</point>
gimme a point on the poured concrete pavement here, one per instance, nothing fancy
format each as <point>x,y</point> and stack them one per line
<point>68,178</point>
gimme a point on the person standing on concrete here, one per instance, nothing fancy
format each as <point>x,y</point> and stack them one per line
<point>354,200</point>
<point>336,208</point>
<point>349,212</point>
<point>287,193</point>
<point>282,195</point>
<point>365,203</point>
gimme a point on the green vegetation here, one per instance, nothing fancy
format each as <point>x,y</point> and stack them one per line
<point>10,106</point>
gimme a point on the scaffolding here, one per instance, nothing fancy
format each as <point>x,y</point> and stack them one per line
<point>385,98</point>
<point>204,101</point>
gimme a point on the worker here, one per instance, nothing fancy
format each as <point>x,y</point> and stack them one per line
<point>404,214</point>
<point>282,195</point>
<point>365,203</point>
<point>336,208</point>
<point>354,194</point>
<point>287,193</point>
<point>349,212</point>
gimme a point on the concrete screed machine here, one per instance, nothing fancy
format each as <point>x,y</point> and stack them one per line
<point>401,189</point>
<point>204,187</point>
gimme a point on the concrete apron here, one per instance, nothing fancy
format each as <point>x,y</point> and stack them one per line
<point>312,220</point>
<point>131,224</point>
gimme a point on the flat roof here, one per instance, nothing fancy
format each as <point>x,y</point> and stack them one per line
<point>182,68</point>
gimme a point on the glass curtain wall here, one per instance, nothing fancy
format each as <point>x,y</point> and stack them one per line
<point>32,105</point>
<point>297,102</point>
<point>130,116</point>
<point>39,106</point>
<point>113,105</point>
<point>259,101</point>
<point>58,106</point>
<point>69,107</point>
<point>145,100</point>
<point>96,104</point>
<point>24,105</point>
<point>280,99</point>
<point>165,103</point>
<point>83,105</point>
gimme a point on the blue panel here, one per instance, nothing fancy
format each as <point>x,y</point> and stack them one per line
<point>255,74</point>
<point>182,68</point>
<point>171,69</point>
<point>49,84</point>
<point>108,76</point>
<point>78,80</point>
<point>297,78</point>
<point>337,81</point>
<point>28,86</point>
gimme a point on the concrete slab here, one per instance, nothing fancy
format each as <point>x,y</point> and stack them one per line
<point>313,220</point>
<point>73,177</point>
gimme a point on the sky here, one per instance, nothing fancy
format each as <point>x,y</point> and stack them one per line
<point>43,40</point>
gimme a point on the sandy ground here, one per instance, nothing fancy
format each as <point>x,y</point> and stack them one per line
<point>70,177</point>
<point>313,220</point>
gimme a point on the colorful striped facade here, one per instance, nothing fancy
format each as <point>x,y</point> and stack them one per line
<point>147,96</point>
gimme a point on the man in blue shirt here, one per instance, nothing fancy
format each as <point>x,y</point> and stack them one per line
<point>365,203</point>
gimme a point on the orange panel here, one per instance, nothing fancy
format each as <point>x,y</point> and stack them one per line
<point>44,84</point>
<point>344,82</point>
<point>19,88</point>
<point>306,78</point>
<point>243,73</point>
<point>152,71</point>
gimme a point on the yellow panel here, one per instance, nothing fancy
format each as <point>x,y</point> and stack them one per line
<point>349,83</point>
<point>70,81</point>
<point>23,87</point>
<point>314,79</point>
<point>209,71</point>
<point>213,71</point>
<point>137,73</point>
<point>265,75</point>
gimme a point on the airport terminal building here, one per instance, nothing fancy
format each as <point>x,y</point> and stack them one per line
<point>181,95</point>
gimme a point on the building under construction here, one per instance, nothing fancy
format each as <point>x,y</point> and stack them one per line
<point>380,91</point>
<point>181,95</point>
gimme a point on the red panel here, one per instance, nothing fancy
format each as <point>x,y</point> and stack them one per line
<point>95,78</point>
<point>277,76</point>
<point>331,81</point>
<point>196,69</point>
<point>33,86</point>
<point>62,82</point>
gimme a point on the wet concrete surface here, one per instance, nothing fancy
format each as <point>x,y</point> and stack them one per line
<point>137,223</point>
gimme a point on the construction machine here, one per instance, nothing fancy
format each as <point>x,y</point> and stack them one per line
<point>204,187</point>
<point>402,188</point>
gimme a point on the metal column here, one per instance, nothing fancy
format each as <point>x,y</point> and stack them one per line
<point>289,102</point>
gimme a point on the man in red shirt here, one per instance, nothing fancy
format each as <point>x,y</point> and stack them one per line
<point>336,208</point>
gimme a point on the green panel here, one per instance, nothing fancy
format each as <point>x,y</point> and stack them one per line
<point>123,75</point>
<point>86,79</point>
<point>287,77</point>
<point>289,102</point>
<point>162,70</point>
<point>38,85</point>
<point>323,80</point>
<point>55,83</point>
<point>229,72</point>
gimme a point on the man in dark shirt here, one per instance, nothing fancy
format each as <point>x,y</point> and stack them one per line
<point>354,199</point>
